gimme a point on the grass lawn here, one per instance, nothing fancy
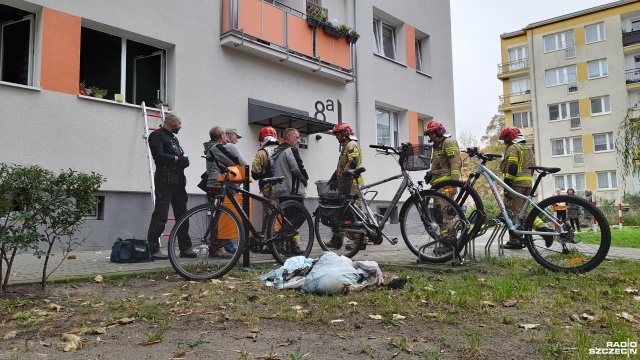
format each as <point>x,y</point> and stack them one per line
<point>627,237</point>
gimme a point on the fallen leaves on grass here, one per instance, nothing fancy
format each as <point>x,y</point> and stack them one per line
<point>509,303</point>
<point>376,317</point>
<point>529,326</point>
<point>98,279</point>
<point>70,342</point>
<point>626,316</point>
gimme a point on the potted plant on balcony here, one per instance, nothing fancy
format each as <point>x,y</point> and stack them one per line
<point>332,30</point>
<point>316,20</point>
<point>352,36</point>
<point>97,92</point>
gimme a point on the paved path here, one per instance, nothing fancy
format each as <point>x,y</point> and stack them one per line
<point>28,268</point>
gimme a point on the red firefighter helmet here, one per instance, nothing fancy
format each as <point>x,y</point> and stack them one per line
<point>435,126</point>
<point>343,128</point>
<point>267,131</point>
<point>509,133</point>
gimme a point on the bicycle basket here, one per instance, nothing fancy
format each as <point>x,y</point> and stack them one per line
<point>324,190</point>
<point>417,157</point>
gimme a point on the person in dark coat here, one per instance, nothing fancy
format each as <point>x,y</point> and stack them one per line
<point>573,212</point>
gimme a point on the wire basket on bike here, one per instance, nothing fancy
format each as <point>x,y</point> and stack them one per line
<point>325,191</point>
<point>416,157</point>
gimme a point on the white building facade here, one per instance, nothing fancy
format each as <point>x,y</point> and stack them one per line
<point>235,63</point>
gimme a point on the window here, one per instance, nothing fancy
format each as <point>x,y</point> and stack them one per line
<point>564,111</point>
<point>102,63</point>
<point>558,41</point>
<point>96,213</point>
<point>384,37</point>
<point>522,119</point>
<point>387,127</point>
<point>635,25</point>
<point>594,33</point>
<point>636,60</point>
<point>561,76</point>
<point>574,181</point>
<point>603,142</point>
<point>16,45</point>
<point>419,66</point>
<point>519,85</point>
<point>518,58</point>
<point>607,180</point>
<point>566,146</point>
<point>597,68</point>
<point>600,105</point>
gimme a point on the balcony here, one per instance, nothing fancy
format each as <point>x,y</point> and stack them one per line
<point>515,100</point>
<point>518,67</point>
<point>632,78</point>
<point>630,38</point>
<point>282,35</point>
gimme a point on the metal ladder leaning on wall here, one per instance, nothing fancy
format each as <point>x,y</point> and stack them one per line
<point>146,115</point>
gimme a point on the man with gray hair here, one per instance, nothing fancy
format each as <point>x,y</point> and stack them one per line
<point>232,139</point>
<point>170,185</point>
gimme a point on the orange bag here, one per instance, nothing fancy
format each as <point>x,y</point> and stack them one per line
<point>239,176</point>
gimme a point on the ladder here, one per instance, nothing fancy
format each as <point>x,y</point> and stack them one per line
<point>147,130</point>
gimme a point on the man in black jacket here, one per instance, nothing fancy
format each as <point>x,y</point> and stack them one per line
<point>170,184</point>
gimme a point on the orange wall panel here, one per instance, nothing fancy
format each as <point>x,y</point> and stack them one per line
<point>410,39</point>
<point>324,45</point>
<point>341,53</point>
<point>250,17</point>
<point>272,24</point>
<point>60,52</point>
<point>414,130</point>
<point>225,16</point>
<point>300,35</point>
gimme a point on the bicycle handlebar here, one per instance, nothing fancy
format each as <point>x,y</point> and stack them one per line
<point>486,157</point>
<point>385,148</point>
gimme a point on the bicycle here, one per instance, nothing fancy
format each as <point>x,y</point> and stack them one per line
<point>569,251</point>
<point>429,221</point>
<point>289,224</point>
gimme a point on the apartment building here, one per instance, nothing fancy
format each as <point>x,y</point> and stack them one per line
<point>568,82</point>
<point>235,63</point>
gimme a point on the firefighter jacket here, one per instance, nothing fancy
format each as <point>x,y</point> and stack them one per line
<point>446,162</point>
<point>350,158</point>
<point>516,162</point>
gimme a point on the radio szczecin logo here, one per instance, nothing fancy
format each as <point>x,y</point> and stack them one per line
<point>617,348</point>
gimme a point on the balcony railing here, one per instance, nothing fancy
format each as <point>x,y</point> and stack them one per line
<point>575,123</point>
<point>282,34</point>
<point>630,38</point>
<point>515,98</point>
<point>513,66</point>
<point>632,76</point>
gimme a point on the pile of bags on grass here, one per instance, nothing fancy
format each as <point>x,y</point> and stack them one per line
<point>329,274</point>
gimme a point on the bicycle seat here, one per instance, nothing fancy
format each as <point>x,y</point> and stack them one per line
<point>354,173</point>
<point>274,180</point>
<point>549,170</point>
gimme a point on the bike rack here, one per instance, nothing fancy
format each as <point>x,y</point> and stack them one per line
<point>499,230</point>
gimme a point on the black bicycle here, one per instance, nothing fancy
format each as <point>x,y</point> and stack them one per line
<point>210,227</point>
<point>431,223</point>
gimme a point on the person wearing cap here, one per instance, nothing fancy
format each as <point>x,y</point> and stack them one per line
<point>232,139</point>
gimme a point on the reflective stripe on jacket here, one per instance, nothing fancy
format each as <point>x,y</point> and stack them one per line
<point>515,165</point>
<point>445,162</point>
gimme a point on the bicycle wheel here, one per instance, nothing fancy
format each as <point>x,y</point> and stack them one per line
<point>199,227</point>
<point>432,228</point>
<point>292,231</point>
<point>467,198</point>
<point>579,251</point>
<point>350,241</point>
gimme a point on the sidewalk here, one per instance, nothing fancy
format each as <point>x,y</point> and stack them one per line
<point>28,268</point>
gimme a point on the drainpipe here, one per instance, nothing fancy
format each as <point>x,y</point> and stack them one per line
<point>355,67</point>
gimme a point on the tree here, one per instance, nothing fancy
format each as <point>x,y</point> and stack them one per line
<point>467,139</point>
<point>628,144</point>
<point>491,146</point>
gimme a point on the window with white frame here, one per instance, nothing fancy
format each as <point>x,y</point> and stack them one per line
<point>594,33</point>
<point>600,105</point>
<point>558,41</point>
<point>419,55</point>
<point>636,61</point>
<point>386,127</point>
<point>566,146</point>
<point>607,180</point>
<point>574,181</point>
<point>603,142</point>
<point>522,119</point>
<point>17,38</point>
<point>517,58</point>
<point>521,85</point>
<point>384,37</point>
<point>564,111</point>
<point>560,76</point>
<point>597,68</point>
<point>104,58</point>
<point>635,24</point>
